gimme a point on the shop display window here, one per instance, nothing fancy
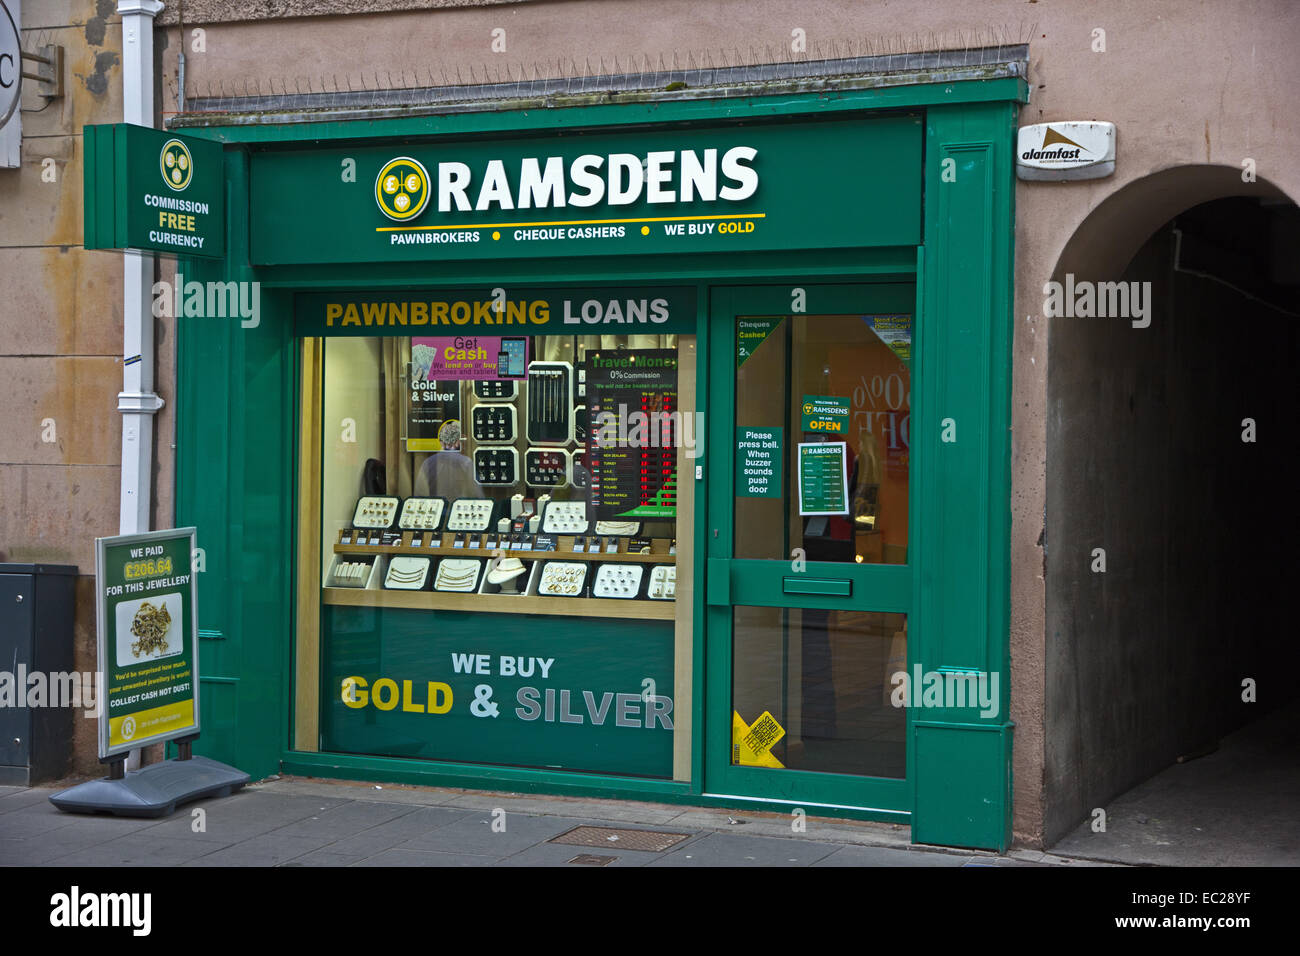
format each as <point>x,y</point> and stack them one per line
<point>499,528</point>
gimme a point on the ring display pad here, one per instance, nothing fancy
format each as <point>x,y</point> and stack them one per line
<point>550,403</point>
<point>407,574</point>
<point>458,574</point>
<point>565,517</point>
<point>496,466</point>
<point>470,514</point>
<point>562,579</point>
<point>617,581</point>
<point>349,572</point>
<point>422,514</point>
<point>619,529</point>
<point>546,467</point>
<point>494,424</point>
<point>663,583</point>
<point>375,511</point>
<point>496,389</point>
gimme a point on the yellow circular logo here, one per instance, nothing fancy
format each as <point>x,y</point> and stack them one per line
<point>402,189</point>
<point>807,409</point>
<point>176,165</point>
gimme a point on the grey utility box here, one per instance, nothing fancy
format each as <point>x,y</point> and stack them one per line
<point>37,604</point>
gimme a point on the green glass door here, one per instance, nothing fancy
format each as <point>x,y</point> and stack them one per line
<point>808,580</point>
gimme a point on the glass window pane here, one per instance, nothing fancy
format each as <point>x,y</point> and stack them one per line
<point>804,380</point>
<point>499,524</point>
<point>812,689</point>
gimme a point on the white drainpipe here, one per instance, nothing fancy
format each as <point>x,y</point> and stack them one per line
<point>137,401</point>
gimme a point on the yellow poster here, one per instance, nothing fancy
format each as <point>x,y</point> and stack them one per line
<point>751,746</point>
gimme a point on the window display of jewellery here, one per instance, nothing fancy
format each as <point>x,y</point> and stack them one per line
<point>663,583</point>
<point>562,578</point>
<point>496,466</point>
<point>422,514</point>
<point>565,517</point>
<point>387,573</point>
<point>620,529</point>
<point>550,403</point>
<point>497,389</point>
<point>494,424</point>
<point>350,574</point>
<point>546,467</point>
<point>374,511</point>
<point>407,574</point>
<point>457,574</point>
<point>618,581</point>
<point>470,514</point>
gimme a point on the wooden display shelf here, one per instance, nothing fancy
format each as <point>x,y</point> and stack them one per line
<point>561,554</point>
<point>498,603</point>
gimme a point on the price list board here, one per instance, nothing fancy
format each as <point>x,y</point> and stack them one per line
<point>634,431</point>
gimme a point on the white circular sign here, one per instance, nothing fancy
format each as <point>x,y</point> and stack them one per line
<point>11,65</point>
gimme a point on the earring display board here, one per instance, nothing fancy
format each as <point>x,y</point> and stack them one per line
<point>494,424</point>
<point>546,467</point>
<point>374,511</point>
<point>618,581</point>
<point>422,513</point>
<point>496,466</point>
<point>565,517</point>
<point>496,390</point>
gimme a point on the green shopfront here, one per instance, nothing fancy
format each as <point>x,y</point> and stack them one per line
<point>654,449</point>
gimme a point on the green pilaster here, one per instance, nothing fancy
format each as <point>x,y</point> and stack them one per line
<point>235,430</point>
<point>961,756</point>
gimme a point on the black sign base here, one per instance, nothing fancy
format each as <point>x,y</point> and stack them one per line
<point>153,791</point>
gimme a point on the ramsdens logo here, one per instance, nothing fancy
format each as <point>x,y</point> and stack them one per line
<point>402,189</point>
<point>74,909</point>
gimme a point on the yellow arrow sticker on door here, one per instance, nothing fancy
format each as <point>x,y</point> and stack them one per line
<point>751,746</point>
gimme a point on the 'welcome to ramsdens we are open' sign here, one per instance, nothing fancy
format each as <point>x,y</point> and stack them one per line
<point>152,190</point>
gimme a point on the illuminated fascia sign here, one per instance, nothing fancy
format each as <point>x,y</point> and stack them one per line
<point>819,184</point>
<point>1063,152</point>
<point>11,64</point>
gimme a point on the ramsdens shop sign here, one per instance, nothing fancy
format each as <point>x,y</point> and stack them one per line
<point>618,179</point>
<point>843,183</point>
<point>151,190</point>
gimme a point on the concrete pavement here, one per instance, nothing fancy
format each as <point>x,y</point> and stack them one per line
<point>310,822</point>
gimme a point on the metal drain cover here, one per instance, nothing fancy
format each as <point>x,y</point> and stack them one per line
<point>590,859</point>
<point>654,841</point>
